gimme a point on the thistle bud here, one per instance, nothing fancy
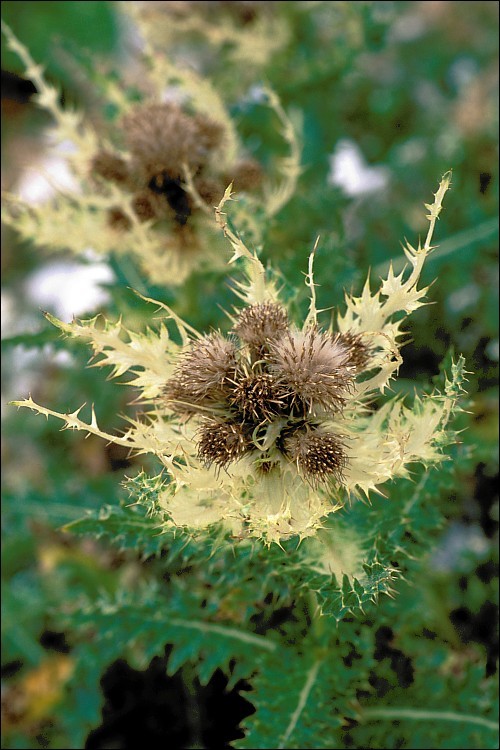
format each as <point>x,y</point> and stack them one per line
<point>202,374</point>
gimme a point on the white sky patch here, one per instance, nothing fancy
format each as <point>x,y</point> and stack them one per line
<point>256,94</point>
<point>492,350</point>
<point>21,365</point>
<point>350,172</point>
<point>40,182</point>
<point>458,542</point>
<point>463,298</point>
<point>407,28</point>
<point>67,288</point>
<point>24,368</point>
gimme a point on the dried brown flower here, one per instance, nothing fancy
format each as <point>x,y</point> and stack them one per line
<point>222,442</point>
<point>111,167</point>
<point>202,375</point>
<point>166,144</point>
<point>359,352</point>
<point>313,368</point>
<point>247,174</point>
<point>256,396</point>
<point>318,454</point>
<point>258,324</point>
<point>162,138</point>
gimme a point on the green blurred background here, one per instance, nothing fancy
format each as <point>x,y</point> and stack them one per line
<point>391,95</point>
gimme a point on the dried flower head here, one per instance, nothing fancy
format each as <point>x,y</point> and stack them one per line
<point>318,454</point>
<point>270,429</point>
<point>221,442</point>
<point>162,138</point>
<point>259,324</point>
<point>169,152</point>
<point>314,368</point>
<point>202,375</point>
<point>255,397</point>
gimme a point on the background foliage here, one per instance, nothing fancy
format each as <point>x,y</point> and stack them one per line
<point>113,634</point>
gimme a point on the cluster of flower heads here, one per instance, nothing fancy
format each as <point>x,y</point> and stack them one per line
<point>271,428</point>
<point>167,148</point>
<point>269,391</point>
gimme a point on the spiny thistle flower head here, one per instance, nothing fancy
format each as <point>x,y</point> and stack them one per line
<point>145,180</point>
<point>261,323</point>
<point>162,137</point>
<point>271,427</point>
<point>269,408</point>
<point>202,375</point>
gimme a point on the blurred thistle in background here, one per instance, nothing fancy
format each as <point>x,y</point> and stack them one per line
<point>145,182</point>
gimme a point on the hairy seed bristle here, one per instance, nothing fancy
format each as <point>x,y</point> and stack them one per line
<point>313,368</point>
<point>222,442</point>
<point>258,324</point>
<point>202,375</point>
<point>318,455</point>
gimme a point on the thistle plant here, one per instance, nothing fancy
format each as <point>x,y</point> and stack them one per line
<point>145,179</point>
<point>280,533</point>
<point>271,428</point>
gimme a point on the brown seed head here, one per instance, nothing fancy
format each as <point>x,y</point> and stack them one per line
<point>313,368</point>
<point>202,375</point>
<point>147,206</point>
<point>318,455</point>
<point>256,396</point>
<point>246,174</point>
<point>258,324</point>
<point>358,351</point>
<point>222,442</point>
<point>162,138</point>
<point>111,168</point>
<point>210,190</point>
<point>118,220</point>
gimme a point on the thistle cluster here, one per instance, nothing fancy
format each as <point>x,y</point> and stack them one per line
<point>270,392</point>
<point>271,428</point>
<point>168,148</point>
